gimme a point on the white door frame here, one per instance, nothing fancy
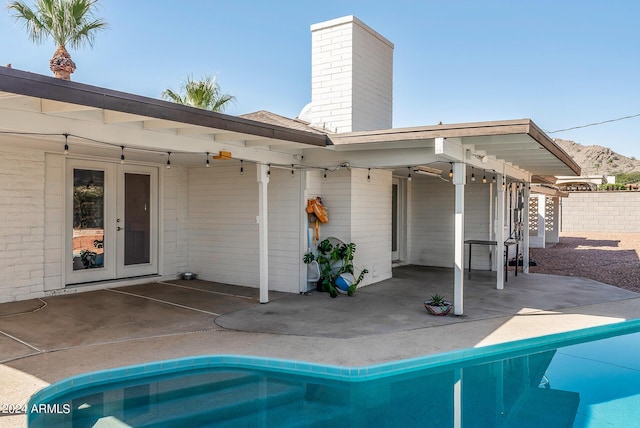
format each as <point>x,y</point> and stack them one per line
<point>113,240</point>
<point>150,268</point>
<point>401,220</point>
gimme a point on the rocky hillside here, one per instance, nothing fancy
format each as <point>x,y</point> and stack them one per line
<point>598,160</point>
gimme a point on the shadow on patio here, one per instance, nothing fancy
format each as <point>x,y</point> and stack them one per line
<point>396,304</point>
<point>174,309</point>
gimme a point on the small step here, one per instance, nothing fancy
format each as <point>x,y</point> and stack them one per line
<point>130,400</point>
<point>220,405</point>
<point>299,413</point>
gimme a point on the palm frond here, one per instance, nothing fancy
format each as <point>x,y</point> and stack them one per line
<point>69,22</point>
<point>204,93</point>
<point>170,95</point>
<point>36,29</point>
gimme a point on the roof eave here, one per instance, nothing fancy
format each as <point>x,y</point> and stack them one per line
<point>39,86</point>
<point>459,130</point>
<point>543,139</point>
<point>471,129</point>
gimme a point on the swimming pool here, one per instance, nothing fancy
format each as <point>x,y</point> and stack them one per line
<point>584,378</point>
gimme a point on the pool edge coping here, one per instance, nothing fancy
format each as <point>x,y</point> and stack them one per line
<point>331,372</point>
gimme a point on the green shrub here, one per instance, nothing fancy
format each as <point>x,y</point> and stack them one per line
<point>610,186</point>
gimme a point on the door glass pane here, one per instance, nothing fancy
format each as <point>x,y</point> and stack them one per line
<point>137,219</point>
<point>394,218</point>
<point>88,219</point>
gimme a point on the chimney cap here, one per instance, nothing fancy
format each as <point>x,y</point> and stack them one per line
<point>346,20</point>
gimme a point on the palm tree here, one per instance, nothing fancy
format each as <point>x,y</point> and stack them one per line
<point>205,94</point>
<point>67,22</point>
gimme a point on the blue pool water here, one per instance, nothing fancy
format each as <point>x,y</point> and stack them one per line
<point>586,378</point>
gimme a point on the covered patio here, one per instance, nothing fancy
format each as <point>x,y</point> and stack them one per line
<point>163,313</point>
<point>220,218</point>
<point>453,184</point>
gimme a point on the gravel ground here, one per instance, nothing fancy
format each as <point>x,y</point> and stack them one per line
<point>612,258</point>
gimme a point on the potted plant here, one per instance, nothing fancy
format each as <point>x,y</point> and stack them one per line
<point>336,267</point>
<point>438,305</point>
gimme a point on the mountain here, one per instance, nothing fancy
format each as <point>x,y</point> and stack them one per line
<point>597,159</point>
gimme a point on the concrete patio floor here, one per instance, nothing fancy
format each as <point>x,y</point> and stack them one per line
<point>45,340</point>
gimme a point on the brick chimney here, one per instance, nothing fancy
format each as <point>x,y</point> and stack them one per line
<point>351,77</point>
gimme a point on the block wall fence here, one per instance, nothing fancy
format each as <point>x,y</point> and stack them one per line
<point>600,212</point>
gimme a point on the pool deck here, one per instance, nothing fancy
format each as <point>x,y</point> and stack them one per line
<point>45,340</point>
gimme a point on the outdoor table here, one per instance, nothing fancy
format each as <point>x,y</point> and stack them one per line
<point>471,242</point>
<point>508,243</point>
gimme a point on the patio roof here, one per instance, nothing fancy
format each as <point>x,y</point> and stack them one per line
<point>518,143</point>
<point>26,92</point>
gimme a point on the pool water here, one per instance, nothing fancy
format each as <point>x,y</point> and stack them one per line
<point>588,378</point>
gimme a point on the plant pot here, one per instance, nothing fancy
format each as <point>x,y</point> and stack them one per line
<point>438,310</point>
<point>343,282</point>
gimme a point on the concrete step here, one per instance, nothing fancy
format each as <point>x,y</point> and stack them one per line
<point>216,407</point>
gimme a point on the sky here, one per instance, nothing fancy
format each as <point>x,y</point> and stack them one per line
<point>560,63</point>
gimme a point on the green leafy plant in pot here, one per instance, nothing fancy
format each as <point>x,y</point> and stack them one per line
<point>438,305</point>
<point>336,267</point>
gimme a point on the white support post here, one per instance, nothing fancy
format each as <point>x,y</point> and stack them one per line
<point>525,229</point>
<point>263,231</point>
<point>459,179</point>
<point>499,230</point>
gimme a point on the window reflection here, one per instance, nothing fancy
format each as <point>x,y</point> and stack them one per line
<point>88,219</point>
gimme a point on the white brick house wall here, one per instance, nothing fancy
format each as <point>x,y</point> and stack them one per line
<point>360,212</point>
<point>371,222</point>
<point>54,201</point>
<point>223,233</point>
<point>337,197</point>
<point>477,223</point>
<point>208,225</point>
<point>432,203</point>
<point>174,233</point>
<point>432,227</point>
<point>285,217</point>
<point>222,229</point>
<point>22,223</point>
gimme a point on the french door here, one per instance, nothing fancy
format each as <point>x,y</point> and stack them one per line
<point>111,229</point>
<point>395,224</point>
<point>398,219</point>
